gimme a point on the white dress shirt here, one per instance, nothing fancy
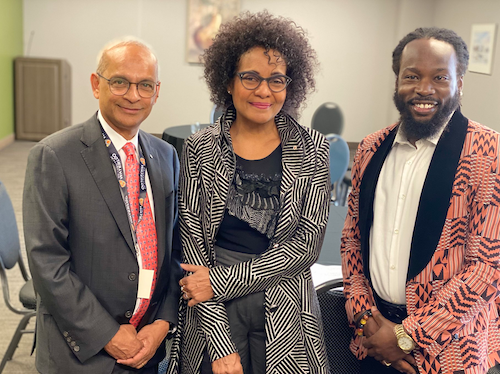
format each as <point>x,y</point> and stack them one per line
<point>395,207</point>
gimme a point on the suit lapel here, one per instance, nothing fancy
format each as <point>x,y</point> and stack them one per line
<point>96,157</point>
<point>436,192</point>
<point>367,194</point>
<point>155,177</point>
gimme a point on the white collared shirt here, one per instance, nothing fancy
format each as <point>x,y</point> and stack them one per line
<point>395,206</point>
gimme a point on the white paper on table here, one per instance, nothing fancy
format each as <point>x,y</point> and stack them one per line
<point>322,273</point>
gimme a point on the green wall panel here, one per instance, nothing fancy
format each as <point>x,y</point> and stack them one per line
<point>11,46</point>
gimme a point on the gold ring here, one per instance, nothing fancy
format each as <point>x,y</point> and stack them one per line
<point>386,363</point>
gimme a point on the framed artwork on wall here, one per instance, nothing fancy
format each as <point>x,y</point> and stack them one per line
<point>204,20</point>
<point>481,48</point>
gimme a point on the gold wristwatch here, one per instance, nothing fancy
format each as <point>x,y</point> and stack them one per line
<point>405,341</point>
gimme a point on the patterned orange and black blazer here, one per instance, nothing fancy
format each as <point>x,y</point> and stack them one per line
<point>453,283</point>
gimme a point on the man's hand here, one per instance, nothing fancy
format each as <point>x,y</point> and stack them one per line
<point>406,365</point>
<point>124,344</point>
<point>151,336</point>
<point>196,287</point>
<point>230,364</point>
<point>371,326</point>
<point>383,345</point>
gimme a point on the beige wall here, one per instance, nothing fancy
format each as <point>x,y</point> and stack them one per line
<point>481,100</point>
<point>354,40</point>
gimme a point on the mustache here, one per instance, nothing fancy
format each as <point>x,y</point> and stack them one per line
<point>427,99</point>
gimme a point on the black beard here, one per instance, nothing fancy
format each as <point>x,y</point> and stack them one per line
<point>414,129</point>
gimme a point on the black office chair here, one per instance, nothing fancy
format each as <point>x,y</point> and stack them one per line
<point>328,119</point>
<point>494,370</point>
<point>10,255</point>
<point>337,331</point>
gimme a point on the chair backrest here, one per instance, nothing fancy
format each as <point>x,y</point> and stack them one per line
<point>339,157</point>
<point>328,119</point>
<point>336,328</point>
<point>10,249</point>
<point>494,370</point>
<point>215,113</point>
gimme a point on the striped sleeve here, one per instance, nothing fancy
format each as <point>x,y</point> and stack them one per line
<point>211,316</point>
<point>356,287</point>
<point>474,216</point>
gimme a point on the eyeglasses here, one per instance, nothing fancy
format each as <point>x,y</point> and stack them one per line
<point>251,81</point>
<point>120,86</point>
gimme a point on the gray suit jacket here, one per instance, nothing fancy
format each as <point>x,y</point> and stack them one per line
<point>80,247</point>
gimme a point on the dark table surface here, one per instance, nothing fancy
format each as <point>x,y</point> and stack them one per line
<point>177,134</point>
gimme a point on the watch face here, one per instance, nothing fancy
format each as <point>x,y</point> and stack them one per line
<point>406,344</point>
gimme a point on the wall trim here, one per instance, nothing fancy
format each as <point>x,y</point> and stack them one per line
<point>9,139</point>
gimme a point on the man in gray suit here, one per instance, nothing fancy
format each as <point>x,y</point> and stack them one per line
<point>104,263</point>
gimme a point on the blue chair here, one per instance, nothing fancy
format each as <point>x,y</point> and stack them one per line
<point>10,255</point>
<point>328,119</point>
<point>215,113</point>
<point>339,161</point>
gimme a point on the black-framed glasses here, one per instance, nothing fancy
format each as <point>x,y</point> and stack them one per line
<point>120,86</point>
<point>251,81</point>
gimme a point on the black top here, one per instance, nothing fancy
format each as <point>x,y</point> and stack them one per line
<point>253,205</point>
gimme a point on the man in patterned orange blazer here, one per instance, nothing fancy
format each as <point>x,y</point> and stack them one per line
<point>421,242</point>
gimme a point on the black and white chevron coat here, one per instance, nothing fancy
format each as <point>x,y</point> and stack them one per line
<point>294,333</point>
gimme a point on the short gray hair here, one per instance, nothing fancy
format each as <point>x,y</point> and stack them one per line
<point>123,42</point>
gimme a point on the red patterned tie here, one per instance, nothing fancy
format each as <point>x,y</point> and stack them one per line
<point>145,230</point>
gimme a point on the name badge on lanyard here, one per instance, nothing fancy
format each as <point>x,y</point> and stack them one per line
<point>145,283</point>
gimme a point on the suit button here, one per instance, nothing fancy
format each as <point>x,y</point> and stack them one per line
<point>128,314</point>
<point>68,339</point>
<point>65,334</point>
<point>132,276</point>
<point>73,343</point>
<point>76,348</point>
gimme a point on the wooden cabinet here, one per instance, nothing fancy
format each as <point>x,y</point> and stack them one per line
<point>42,96</point>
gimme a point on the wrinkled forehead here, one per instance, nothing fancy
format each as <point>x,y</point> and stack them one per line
<point>130,58</point>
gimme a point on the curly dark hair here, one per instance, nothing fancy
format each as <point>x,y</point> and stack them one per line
<point>270,32</point>
<point>444,35</point>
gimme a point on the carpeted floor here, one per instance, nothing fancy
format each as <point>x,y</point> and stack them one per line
<point>13,160</point>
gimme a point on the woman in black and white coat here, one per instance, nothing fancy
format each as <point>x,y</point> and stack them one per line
<point>253,203</point>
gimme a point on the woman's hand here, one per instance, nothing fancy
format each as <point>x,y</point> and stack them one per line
<point>228,365</point>
<point>196,287</point>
